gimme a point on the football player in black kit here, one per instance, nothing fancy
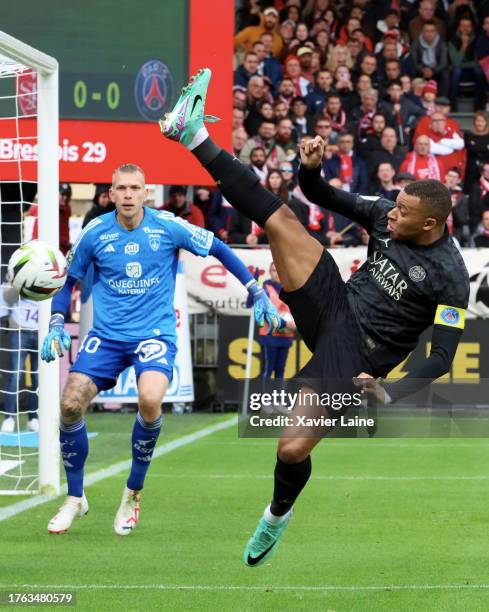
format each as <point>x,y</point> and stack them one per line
<point>414,277</point>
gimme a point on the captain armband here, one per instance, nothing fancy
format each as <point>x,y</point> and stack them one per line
<point>450,316</point>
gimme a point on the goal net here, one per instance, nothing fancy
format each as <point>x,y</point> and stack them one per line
<point>29,388</point>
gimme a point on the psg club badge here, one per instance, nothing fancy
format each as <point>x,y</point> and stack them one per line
<point>153,89</point>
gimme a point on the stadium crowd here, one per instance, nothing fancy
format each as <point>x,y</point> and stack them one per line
<point>379,82</point>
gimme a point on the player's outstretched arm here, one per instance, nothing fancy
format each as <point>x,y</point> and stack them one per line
<point>319,191</point>
<point>264,310</point>
<point>444,343</point>
<point>58,338</point>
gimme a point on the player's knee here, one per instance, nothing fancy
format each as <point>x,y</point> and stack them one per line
<point>71,410</point>
<point>150,404</point>
<point>292,450</point>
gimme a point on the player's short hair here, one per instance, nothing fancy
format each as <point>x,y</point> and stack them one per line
<point>127,168</point>
<point>434,197</point>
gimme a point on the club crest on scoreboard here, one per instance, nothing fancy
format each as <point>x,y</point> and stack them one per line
<point>153,89</point>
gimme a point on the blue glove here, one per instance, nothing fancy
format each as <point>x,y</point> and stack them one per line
<point>264,310</point>
<point>56,340</point>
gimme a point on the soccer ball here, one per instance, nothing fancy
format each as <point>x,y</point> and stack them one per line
<point>37,270</point>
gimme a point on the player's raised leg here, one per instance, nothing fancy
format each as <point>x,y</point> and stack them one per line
<point>152,386</point>
<point>241,187</point>
<point>77,395</point>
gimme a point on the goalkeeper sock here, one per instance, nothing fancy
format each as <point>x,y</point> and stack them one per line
<point>74,451</point>
<point>144,438</point>
<point>238,184</point>
<point>290,479</point>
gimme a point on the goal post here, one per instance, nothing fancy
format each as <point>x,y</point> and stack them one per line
<point>46,68</point>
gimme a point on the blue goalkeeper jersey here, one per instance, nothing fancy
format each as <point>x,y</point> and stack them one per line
<point>135,271</point>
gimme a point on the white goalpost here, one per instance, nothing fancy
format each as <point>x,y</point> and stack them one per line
<point>16,58</point>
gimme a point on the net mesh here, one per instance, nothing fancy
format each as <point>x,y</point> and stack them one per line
<point>18,317</point>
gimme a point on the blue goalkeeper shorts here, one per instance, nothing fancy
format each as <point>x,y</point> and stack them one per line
<point>103,360</point>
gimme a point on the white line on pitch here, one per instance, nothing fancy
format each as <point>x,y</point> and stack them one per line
<point>170,476</point>
<point>229,587</point>
<point>104,473</point>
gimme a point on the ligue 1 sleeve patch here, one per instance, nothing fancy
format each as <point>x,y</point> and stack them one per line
<point>450,316</point>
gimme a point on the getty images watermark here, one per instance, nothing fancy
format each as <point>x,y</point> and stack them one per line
<point>317,410</point>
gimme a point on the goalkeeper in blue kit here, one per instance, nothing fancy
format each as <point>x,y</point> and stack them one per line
<point>134,252</point>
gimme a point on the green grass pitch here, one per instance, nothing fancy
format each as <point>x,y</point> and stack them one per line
<point>382,525</point>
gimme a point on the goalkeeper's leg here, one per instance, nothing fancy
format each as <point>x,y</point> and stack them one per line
<point>77,395</point>
<point>152,386</point>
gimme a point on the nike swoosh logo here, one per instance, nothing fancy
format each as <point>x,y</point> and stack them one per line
<point>196,99</point>
<point>254,560</point>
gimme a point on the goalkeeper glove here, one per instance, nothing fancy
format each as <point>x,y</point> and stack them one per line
<point>56,340</point>
<point>264,310</point>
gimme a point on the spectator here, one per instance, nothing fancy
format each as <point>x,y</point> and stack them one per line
<point>368,66</point>
<point>347,166</point>
<point>266,139</point>
<point>339,56</point>
<point>404,179</point>
<point>481,52</point>
<point>293,72</point>
<point>389,21</point>
<point>355,49</point>
<point>287,31</point>
<point>281,110</point>
<point>445,142</point>
<point>304,54</point>
<point>481,237</point>
<point>322,45</point>
<point>429,96</point>
<point>239,137</point>
<point>461,51</point>
<point>353,99</point>
<point>262,111</point>
<point>442,105</point>
<point>247,69</point>
<point>238,118</point>
<point>371,140</point>
<point>286,137</point>
<point>401,112</point>
<point>391,51</point>
<point>479,197</point>
<point>286,91</point>
<point>335,114</point>
<point>385,182</point>
<point>64,217</point>
<point>343,84</point>
<point>299,117</point>
<point>268,65</point>
<point>239,97</point>
<point>219,216</point>
<point>463,9</point>
<point>22,343</point>
<point>340,230</point>
<point>322,127</point>
<point>421,163</point>
<point>182,208</point>
<point>477,147</point>
<point>251,34</point>
<point>275,347</point>
<point>388,152</point>
<point>393,72</point>
<point>362,117</point>
<point>257,163</point>
<point>458,219</point>
<point>426,14</point>
<point>430,56</point>
<point>417,88</point>
<point>255,92</point>
<point>286,169</point>
<point>101,203</point>
<point>314,11</point>
<point>324,87</point>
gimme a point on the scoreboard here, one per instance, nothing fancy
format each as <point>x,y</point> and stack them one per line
<point>119,60</point>
<point>122,65</point>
